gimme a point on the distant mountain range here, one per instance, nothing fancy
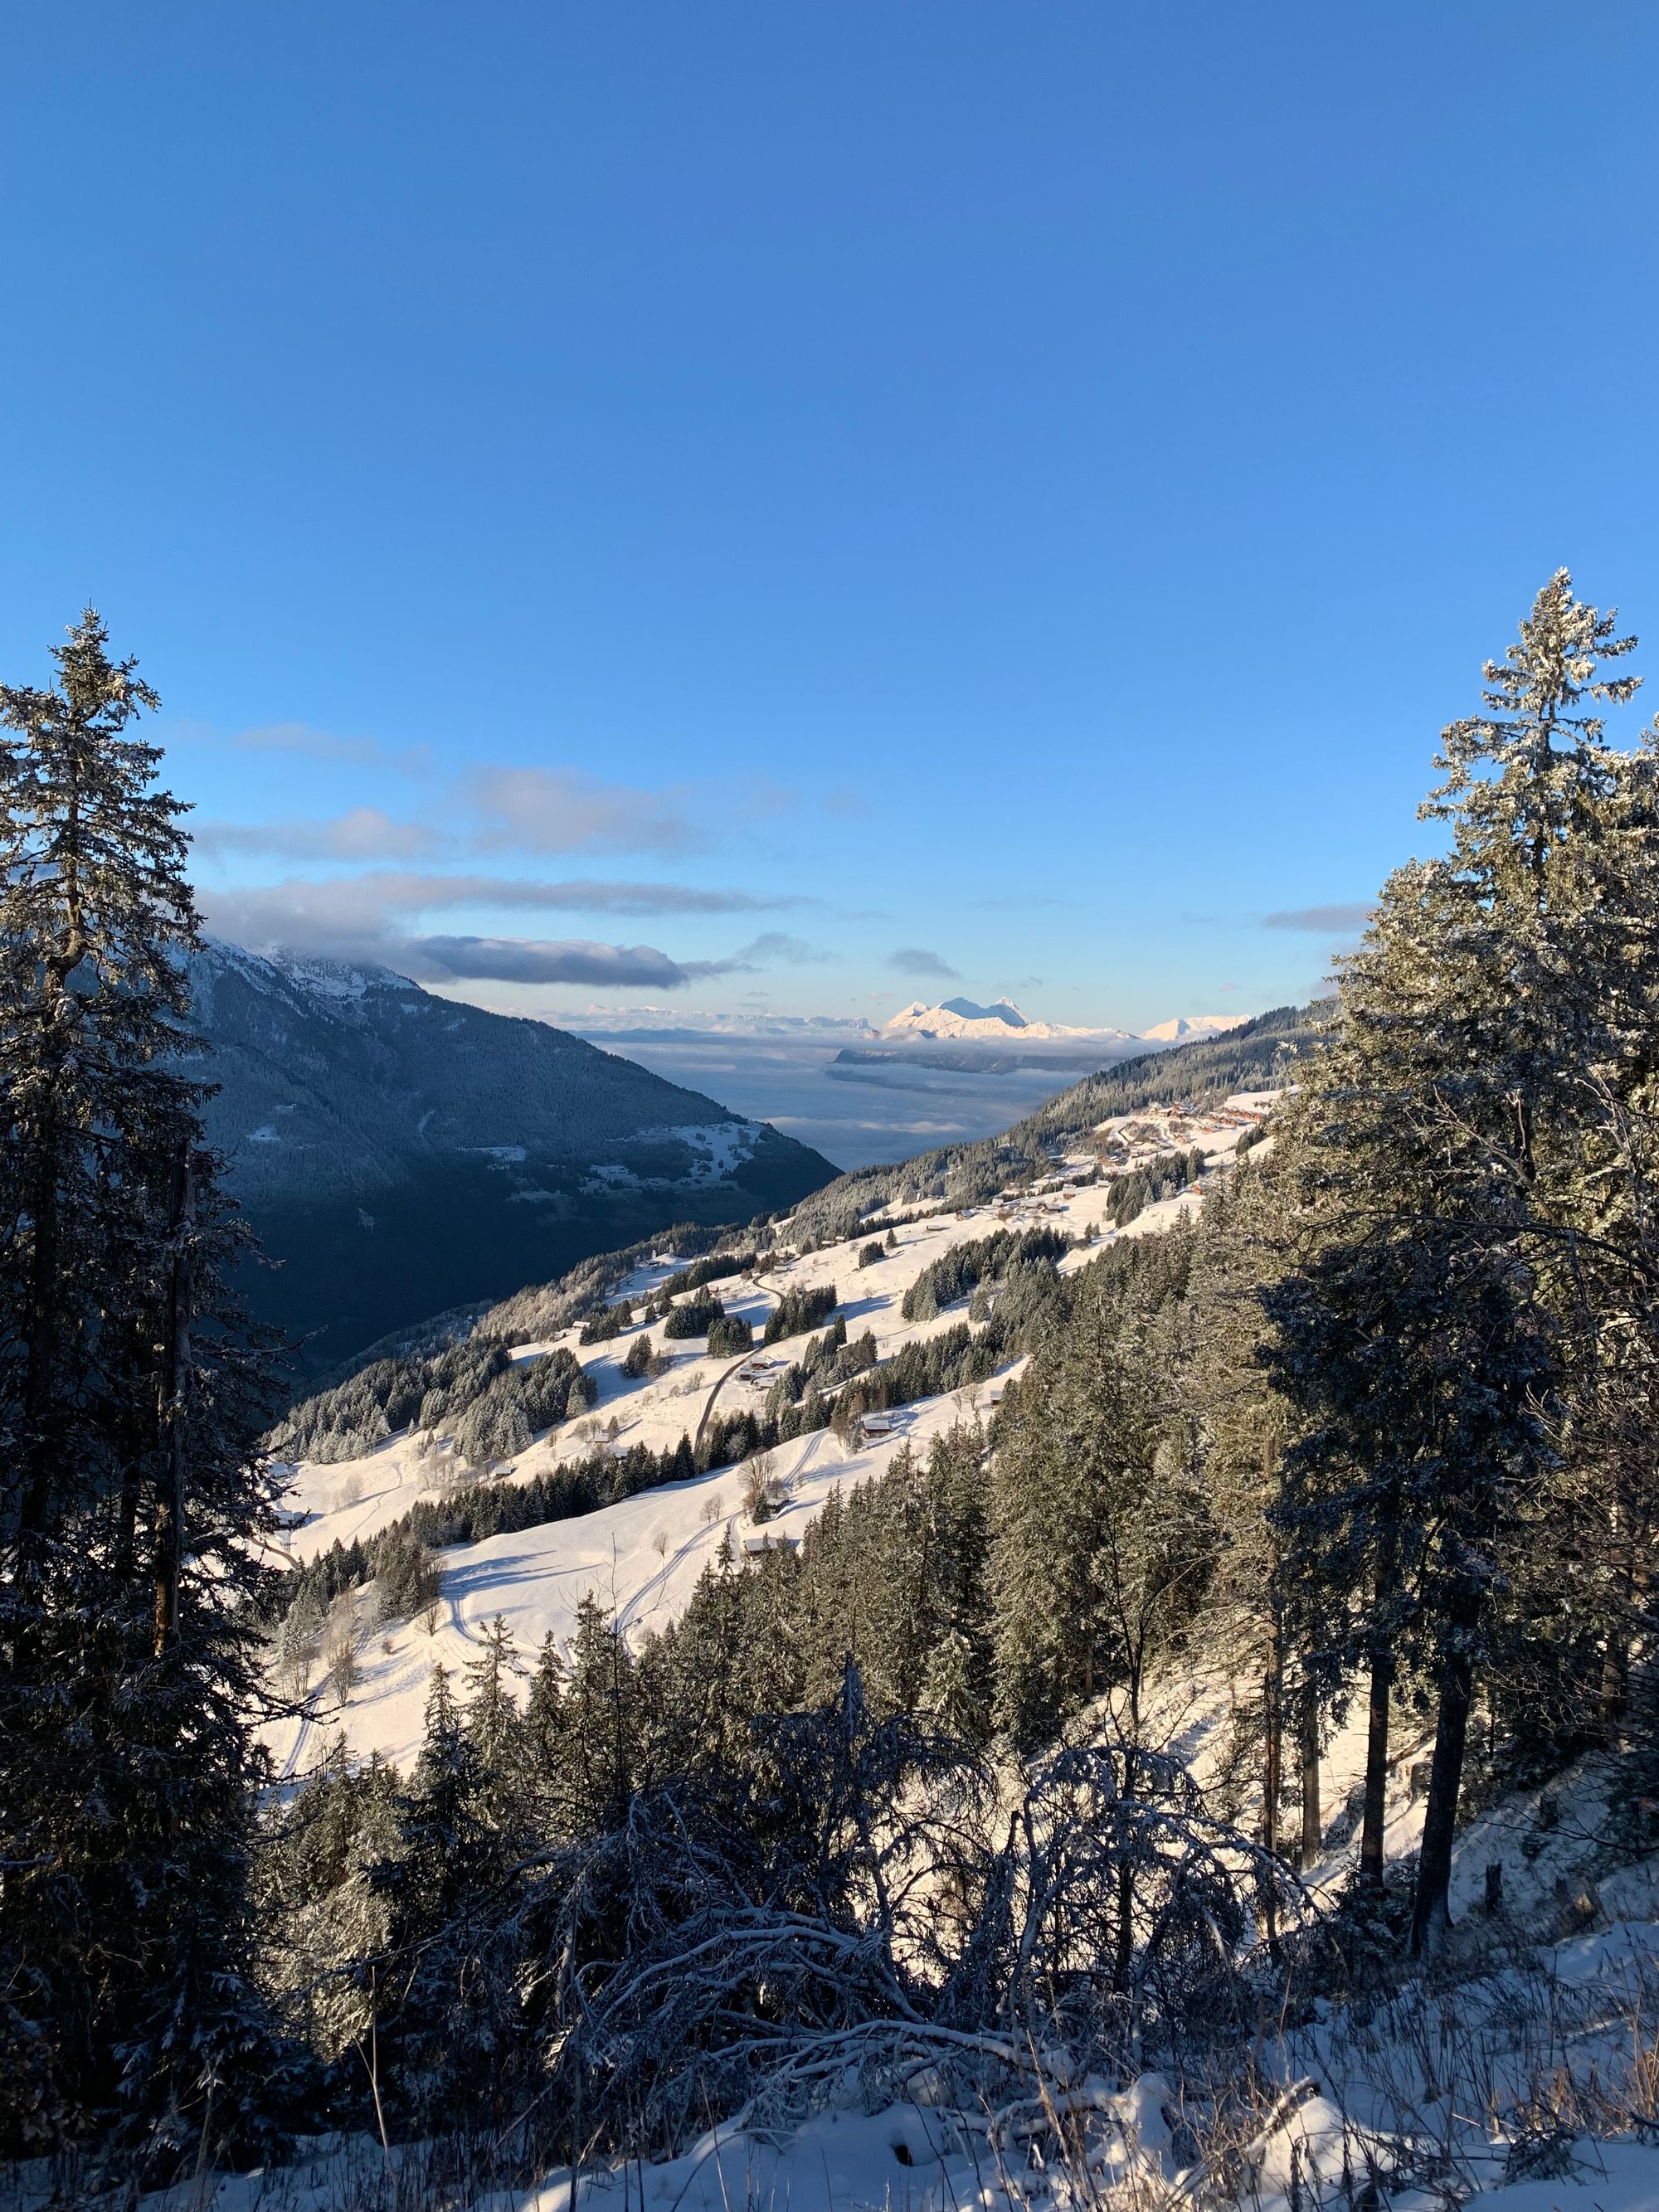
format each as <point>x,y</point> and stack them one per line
<point>960,1021</point>
<point>399,1153</point>
<point>1185,1027</point>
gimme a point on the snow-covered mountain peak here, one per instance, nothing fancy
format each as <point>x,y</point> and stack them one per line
<point>339,982</point>
<point>963,1019</point>
<point>1181,1026</point>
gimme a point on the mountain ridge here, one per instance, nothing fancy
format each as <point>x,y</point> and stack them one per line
<point>400,1154</point>
<point>999,1023</point>
<point>1002,1022</point>
<point>970,1173</point>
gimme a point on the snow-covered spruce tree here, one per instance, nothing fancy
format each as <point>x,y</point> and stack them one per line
<point>600,1740</point>
<point>1297,1670</point>
<point>131,1398</point>
<point>692,1679</point>
<point>1476,1151</point>
<point>1101,1534</point>
<point>916,1551</point>
<point>446,2021</point>
<point>323,1911</point>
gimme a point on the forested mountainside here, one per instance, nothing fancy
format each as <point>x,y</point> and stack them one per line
<point>822,1361</point>
<point>1201,1074</point>
<point>398,1154</point>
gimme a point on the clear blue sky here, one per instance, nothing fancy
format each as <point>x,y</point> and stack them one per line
<point>1018,485</point>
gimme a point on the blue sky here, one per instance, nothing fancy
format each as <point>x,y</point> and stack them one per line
<point>825,502</point>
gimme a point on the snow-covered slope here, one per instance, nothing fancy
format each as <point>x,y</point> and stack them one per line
<point>1339,2100</point>
<point>641,1557</point>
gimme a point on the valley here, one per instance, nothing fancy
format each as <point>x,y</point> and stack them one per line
<point>716,1495</point>
<point>640,1559</point>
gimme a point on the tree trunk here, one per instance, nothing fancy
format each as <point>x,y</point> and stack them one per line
<point>1273,1774</point>
<point>1376,1767</point>
<point>1430,1916</point>
<point>40,1377</point>
<point>1273,1685</point>
<point>1308,1764</point>
<point>175,1371</point>
<point>1123,1963</point>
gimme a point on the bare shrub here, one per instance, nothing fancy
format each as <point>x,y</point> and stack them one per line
<point>340,1644</point>
<point>763,1493</point>
<point>1007,1959</point>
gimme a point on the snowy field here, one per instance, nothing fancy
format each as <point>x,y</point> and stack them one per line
<point>642,1558</point>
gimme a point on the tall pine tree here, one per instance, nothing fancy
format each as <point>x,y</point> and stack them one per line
<point>1477,1151</point>
<point>130,1400</point>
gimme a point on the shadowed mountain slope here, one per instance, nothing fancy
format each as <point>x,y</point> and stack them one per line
<point>399,1153</point>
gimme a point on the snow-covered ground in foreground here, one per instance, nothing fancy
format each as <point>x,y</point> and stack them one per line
<point>642,1558</point>
<point>1472,2096</point>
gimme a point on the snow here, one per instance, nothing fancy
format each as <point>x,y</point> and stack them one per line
<point>1336,2096</point>
<point>998,1024</point>
<point>642,1558</point>
<point>1181,1027</point>
<point>336,980</point>
<point>724,1145</point>
<point>1314,2132</point>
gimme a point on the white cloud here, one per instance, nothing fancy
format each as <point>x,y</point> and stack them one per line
<point>773,945</point>
<point>572,960</point>
<point>308,743</point>
<point>536,809</point>
<point>380,903</point>
<point>373,917</point>
<point>916,960</point>
<point>1340,921</point>
<point>363,833</point>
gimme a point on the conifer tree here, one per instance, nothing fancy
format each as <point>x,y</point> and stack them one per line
<point>130,1399</point>
<point>448,2021</point>
<point>1102,1536</point>
<point>545,1710</point>
<point>492,1710</point>
<point>1475,1149</point>
<point>323,1909</point>
<point>601,1731</point>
